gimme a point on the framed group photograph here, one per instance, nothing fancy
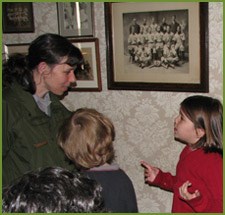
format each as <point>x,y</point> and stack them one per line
<point>17,17</point>
<point>89,78</point>
<point>157,46</point>
<point>75,19</point>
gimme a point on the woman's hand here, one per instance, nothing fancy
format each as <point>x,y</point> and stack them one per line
<point>183,190</point>
<point>150,172</point>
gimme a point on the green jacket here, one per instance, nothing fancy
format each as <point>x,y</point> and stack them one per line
<point>29,135</point>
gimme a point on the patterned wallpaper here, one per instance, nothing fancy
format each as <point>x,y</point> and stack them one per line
<point>143,120</point>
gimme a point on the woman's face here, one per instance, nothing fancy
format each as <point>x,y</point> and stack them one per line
<point>59,78</point>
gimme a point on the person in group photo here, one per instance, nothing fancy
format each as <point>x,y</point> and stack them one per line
<point>156,33</point>
<point>31,107</point>
<point>53,190</point>
<point>198,184</point>
<point>87,138</point>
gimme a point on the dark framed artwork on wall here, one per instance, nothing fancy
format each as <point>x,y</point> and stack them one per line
<point>89,79</point>
<point>17,17</point>
<point>157,46</point>
<point>75,19</point>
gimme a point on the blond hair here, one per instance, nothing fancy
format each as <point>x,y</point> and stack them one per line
<point>87,138</point>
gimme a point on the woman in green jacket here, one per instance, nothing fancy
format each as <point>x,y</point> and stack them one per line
<point>32,111</point>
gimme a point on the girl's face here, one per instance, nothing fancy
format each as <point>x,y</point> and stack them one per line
<point>59,78</point>
<point>184,129</point>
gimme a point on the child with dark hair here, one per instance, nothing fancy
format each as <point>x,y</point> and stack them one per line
<point>51,190</point>
<point>198,183</point>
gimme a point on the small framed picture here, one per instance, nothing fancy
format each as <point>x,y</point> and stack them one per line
<point>90,78</point>
<point>16,48</point>
<point>17,17</point>
<point>75,19</point>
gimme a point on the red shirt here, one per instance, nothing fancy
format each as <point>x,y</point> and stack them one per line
<point>205,172</point>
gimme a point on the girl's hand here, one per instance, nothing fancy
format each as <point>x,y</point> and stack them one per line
<point>183,190</point>
<point>150,172</point>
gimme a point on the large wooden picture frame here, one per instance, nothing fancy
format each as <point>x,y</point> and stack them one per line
<point>155,63</point>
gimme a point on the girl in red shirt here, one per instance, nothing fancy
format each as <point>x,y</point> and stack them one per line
<point>198,183</point>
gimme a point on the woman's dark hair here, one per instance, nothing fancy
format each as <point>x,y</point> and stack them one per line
<point>48,48</point>
<point>206,113</point>
<point>15,68</point>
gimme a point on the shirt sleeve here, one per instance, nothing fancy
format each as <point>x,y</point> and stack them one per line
<point>164,180</point>
<point>211,190</point>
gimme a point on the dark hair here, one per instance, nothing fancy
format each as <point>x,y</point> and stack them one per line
<point>53,189</point>
<point>48,48</point>
<point>206,113</point>
<point>15,68</point>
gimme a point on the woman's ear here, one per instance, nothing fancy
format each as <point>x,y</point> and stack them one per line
<point>200,132</point>
<point>42,67</point>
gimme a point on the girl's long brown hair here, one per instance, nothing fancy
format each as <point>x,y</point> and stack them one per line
<point>206,113</point>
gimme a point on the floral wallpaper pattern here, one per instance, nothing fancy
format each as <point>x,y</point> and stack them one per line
<point>143,120</point>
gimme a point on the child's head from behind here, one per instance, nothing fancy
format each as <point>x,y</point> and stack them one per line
<point>206,113</point>
<point>87,138</point>
<point>51,190</point>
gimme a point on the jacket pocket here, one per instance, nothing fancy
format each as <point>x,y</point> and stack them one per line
<point>39,145</point>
